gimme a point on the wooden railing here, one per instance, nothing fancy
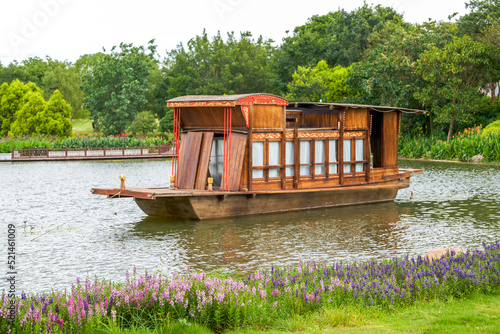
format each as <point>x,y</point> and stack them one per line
<point>104,152</point>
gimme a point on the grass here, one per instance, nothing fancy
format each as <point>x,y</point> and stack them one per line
<point>82,126</point>
<point>478,313</point>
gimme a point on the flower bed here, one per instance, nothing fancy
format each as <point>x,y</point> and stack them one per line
<point>79,141</point>
<point>221,301</point>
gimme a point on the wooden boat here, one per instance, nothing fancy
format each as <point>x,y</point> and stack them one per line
<point>257,153</point>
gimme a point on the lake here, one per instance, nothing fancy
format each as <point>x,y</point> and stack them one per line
<point>453,205</point>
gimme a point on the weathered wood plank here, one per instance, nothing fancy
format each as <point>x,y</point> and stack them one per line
<point>189,155</point>
<point>206,150</point>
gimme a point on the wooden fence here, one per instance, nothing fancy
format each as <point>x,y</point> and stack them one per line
<point>140,152</point>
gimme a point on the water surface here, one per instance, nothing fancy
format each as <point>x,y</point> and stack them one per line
<point>453,205</point>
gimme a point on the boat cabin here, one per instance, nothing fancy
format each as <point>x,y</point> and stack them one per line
<point>261,142</point>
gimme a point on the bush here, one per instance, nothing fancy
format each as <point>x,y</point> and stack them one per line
<point>79,141</point>
<point>144,123</point>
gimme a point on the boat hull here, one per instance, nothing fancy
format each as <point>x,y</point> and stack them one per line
<point>241,204</point>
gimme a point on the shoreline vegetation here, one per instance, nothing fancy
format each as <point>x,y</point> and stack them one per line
<point>370,296</point>
<point>460,148</point>
<point>80,141</point>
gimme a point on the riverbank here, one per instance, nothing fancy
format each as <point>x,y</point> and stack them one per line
<point>339,295</point>
<point>453,161</point>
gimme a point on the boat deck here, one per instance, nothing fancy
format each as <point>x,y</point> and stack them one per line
<point>154,193</point>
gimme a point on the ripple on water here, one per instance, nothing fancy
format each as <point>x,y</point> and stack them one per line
<point>452,205</point>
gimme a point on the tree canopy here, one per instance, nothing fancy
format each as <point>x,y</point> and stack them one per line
<point>115,86</point>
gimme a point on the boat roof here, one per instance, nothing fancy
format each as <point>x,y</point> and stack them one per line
<point>314,107</point>
<point>226,100</point>
<point>265,98</point>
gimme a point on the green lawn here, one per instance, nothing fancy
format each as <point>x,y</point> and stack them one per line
<point>81,126</point>
<point>478,314</point>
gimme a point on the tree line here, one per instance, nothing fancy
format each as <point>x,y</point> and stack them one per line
<point>369,55</point>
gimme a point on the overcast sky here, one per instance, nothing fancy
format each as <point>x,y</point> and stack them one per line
<point>67,29</point>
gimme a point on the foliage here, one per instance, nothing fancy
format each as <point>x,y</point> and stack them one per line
<point>388,75</point>
<point>218,67</point>
<point>79,141</point>
<point>221,302</point>
<point>144,123</point>
<point>462,147</point>
<point>338,37</point>
<point>167,122</point>
<point>12,99</point>
<point>454,75</point>
<point>115,86</point>
<point>66,79</point>
<point>320,82</point>
<point>482,14</point>
<point>25,118</point>
<point>493,127</point>
<point>54,120</point>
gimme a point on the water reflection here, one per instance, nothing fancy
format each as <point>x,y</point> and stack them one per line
<point>452,205</point>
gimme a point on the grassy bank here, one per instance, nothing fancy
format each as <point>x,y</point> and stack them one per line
<point>306,297</point>
<point>462,147</point>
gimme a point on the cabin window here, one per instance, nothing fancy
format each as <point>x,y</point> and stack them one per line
<point>216,164</point>
<point>360,153</point>
<point>258,159</point>
<point>347,155</point>
<point>274,158</point>
<point>319,157</point>
<point>305,157</point>
<point>289,158</point>
<point>332,157</point>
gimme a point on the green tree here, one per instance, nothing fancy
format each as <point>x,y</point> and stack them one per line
<point>388,75</point>
<point>217,66</point>
<point>491,36</point>
<point>144,123</point>
<point>12,99</point>
<point>54,120</point>
<point>320,82</point>
<point>482,15</point>
<point>339,37</point>
<point>454,75</point>
<point>167,122</point>
<point>115,86</point>
<point>25,118</point>
<point>66,79</point>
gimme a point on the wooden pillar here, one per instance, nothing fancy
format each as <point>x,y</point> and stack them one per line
<point>123,150</point>
<point>66,149</point>
<point>250,143</point>
<point>283,151</point>
<point>341,145</point>
<point>85,150</point>
<point>296,155</point>
<point>104,150</point>
<point>141,150</point>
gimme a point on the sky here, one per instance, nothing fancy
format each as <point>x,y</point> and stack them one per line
<point>67,29</point>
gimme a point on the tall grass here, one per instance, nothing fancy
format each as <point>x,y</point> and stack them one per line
<point>470,142</point>
<point>79,141</point>
<point>220,301</point>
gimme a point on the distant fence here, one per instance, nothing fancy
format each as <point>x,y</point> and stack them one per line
<point>36,153</point>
